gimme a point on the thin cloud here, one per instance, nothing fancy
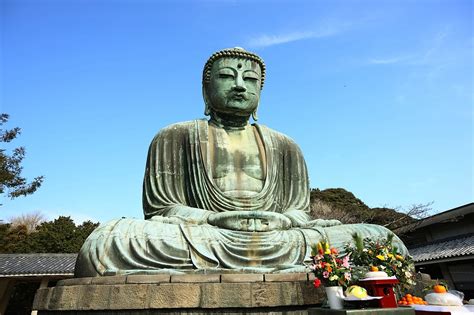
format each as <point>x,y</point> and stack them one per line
<point>435,45</point>
<point>266,40</point>
<point>387,60</point>
<point>430,55</point>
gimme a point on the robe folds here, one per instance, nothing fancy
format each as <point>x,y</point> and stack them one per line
<point>179,194</point>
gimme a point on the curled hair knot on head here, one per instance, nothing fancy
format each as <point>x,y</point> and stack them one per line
<point>236,52</point>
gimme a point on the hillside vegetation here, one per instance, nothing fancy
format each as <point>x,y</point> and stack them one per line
<point>340,204</point>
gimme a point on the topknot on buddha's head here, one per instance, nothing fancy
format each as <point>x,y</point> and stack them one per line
<point>236,52</point>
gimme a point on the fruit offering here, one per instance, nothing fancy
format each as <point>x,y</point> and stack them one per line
<point>356,291</point>
<point>440,288</point>
<point>409,299</point>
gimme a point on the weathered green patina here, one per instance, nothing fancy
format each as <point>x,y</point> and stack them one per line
<point>219,194</point>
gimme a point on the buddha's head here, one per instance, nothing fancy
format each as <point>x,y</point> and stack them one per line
<point>232,81</point>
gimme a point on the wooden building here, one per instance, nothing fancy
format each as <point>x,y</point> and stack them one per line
<point>39,269</point>
<point>443,246</point>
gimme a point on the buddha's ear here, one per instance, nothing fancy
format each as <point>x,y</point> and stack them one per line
<point>207,108</point>
<point>254,115</point>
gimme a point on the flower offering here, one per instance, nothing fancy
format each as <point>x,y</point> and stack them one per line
<point>330,268</point>
<point>381,255</point>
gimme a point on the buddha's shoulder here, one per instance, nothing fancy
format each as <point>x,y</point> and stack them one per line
<point>184,125</point>
<point>277,135</point>
<point>178,129</point>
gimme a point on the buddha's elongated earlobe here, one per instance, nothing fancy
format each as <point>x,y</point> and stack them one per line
<point>207,108</point>
<point>254,115</point>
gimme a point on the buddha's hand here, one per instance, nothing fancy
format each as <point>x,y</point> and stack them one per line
<point>250,221</point>
<point>168,220</point>
<point>301,219</point>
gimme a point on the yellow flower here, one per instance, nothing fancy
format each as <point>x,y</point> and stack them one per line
<point>380,257</point>
<point>390,255</point>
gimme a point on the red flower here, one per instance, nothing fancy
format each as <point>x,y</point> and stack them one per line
<point>317,283</point>
<point>320,251</point>
<point>334,251</point>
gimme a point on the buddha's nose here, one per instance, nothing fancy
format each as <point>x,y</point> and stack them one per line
<point>239,84</point>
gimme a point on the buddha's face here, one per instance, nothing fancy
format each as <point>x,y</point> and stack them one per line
<point>234,86</point>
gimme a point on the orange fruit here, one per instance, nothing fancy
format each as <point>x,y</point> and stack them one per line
<point>439,288</point>
<point>373,268</point>
<point>408,295</point>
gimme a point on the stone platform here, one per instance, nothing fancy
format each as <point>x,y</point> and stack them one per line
<point>177,294</point>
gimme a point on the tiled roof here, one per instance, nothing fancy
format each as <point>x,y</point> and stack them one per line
<point>455,247</point>
<point>36,264</point>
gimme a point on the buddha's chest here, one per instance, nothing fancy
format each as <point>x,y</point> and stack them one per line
<point>237,159</point>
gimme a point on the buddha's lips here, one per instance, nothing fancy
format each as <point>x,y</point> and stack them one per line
<point>239,96</point>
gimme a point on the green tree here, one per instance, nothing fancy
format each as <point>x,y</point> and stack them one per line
<point>11,181</point>
<point>58,236</point>
<point>16,240</point>
<point>61,236</point>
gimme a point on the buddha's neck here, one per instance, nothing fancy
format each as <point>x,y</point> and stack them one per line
<point>227,121</point>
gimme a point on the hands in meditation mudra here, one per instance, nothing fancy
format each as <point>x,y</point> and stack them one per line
<point>220,195</point>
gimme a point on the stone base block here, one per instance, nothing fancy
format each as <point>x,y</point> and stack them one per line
<point>190,294</point>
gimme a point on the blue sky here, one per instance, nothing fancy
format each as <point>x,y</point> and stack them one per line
<point>378,94</point>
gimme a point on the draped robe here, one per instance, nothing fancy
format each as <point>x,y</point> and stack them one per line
<point>179,194</point>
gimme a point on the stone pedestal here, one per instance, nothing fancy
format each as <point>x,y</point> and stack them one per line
<point>176,294</point>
